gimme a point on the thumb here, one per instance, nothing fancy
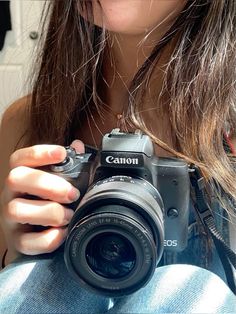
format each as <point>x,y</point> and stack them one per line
<point>78,146</point>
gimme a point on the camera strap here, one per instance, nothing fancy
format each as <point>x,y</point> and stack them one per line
<point>203,211</point>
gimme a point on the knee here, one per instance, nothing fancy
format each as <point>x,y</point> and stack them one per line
<point>43,285</point>
<point>180,289</point>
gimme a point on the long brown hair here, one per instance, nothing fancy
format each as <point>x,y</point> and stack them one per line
<point>199,81</point>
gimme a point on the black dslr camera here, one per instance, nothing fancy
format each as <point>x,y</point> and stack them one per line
<point>133,205</point>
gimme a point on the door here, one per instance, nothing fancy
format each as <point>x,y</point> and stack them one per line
<point>18,53</point>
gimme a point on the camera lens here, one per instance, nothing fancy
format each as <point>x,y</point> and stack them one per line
<point>116,236</point>
<point>110,255</point>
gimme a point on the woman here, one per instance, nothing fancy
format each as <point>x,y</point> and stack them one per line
<point>165,67</point>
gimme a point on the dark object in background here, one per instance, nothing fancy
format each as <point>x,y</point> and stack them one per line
<point>5,21</point>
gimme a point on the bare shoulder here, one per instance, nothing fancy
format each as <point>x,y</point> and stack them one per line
<point>16,112</point>
<point>13,127</point>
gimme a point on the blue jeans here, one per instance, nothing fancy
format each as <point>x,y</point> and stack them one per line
<point>41,284</point>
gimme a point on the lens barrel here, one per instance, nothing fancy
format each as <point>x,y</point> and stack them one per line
<point>116,236</point>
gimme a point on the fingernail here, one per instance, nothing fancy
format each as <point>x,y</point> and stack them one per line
<point>68,215</point>
<point>73,194</point>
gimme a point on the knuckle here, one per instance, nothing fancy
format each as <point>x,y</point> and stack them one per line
<point>11,178</point>
<point>12,211</point>
<point>14,176</point>
<point>30,153</point>
<point>34,152</point>
<point>57,214</point>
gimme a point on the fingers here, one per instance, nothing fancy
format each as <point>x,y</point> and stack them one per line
<point>38,155</point>
<point>45,185</point>
<point>33,243</point>
<point>42,155</point>
<point>38,212</point>
<point>22,214</point>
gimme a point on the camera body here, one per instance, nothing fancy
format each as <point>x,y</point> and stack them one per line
<point>133,205</point>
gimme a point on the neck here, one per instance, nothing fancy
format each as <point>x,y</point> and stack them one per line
<point>124,56</point>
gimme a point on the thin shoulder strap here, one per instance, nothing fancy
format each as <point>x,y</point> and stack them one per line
<point>226,255</point>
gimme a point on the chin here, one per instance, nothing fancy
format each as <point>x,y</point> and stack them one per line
<point>135,17</point>
<point>119,16</point>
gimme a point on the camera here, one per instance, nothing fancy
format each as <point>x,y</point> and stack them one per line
<point>133,205</point>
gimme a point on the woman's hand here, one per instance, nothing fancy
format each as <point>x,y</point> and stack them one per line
<point>22,214</point>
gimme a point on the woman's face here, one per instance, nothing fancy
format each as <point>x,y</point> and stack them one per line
<point>135,17</point>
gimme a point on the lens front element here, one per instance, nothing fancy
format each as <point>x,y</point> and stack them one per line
<point>110,255</point>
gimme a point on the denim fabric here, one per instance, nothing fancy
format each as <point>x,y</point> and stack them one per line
<point>41,284</point>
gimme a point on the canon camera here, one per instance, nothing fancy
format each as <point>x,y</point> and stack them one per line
<point>133,205</point>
